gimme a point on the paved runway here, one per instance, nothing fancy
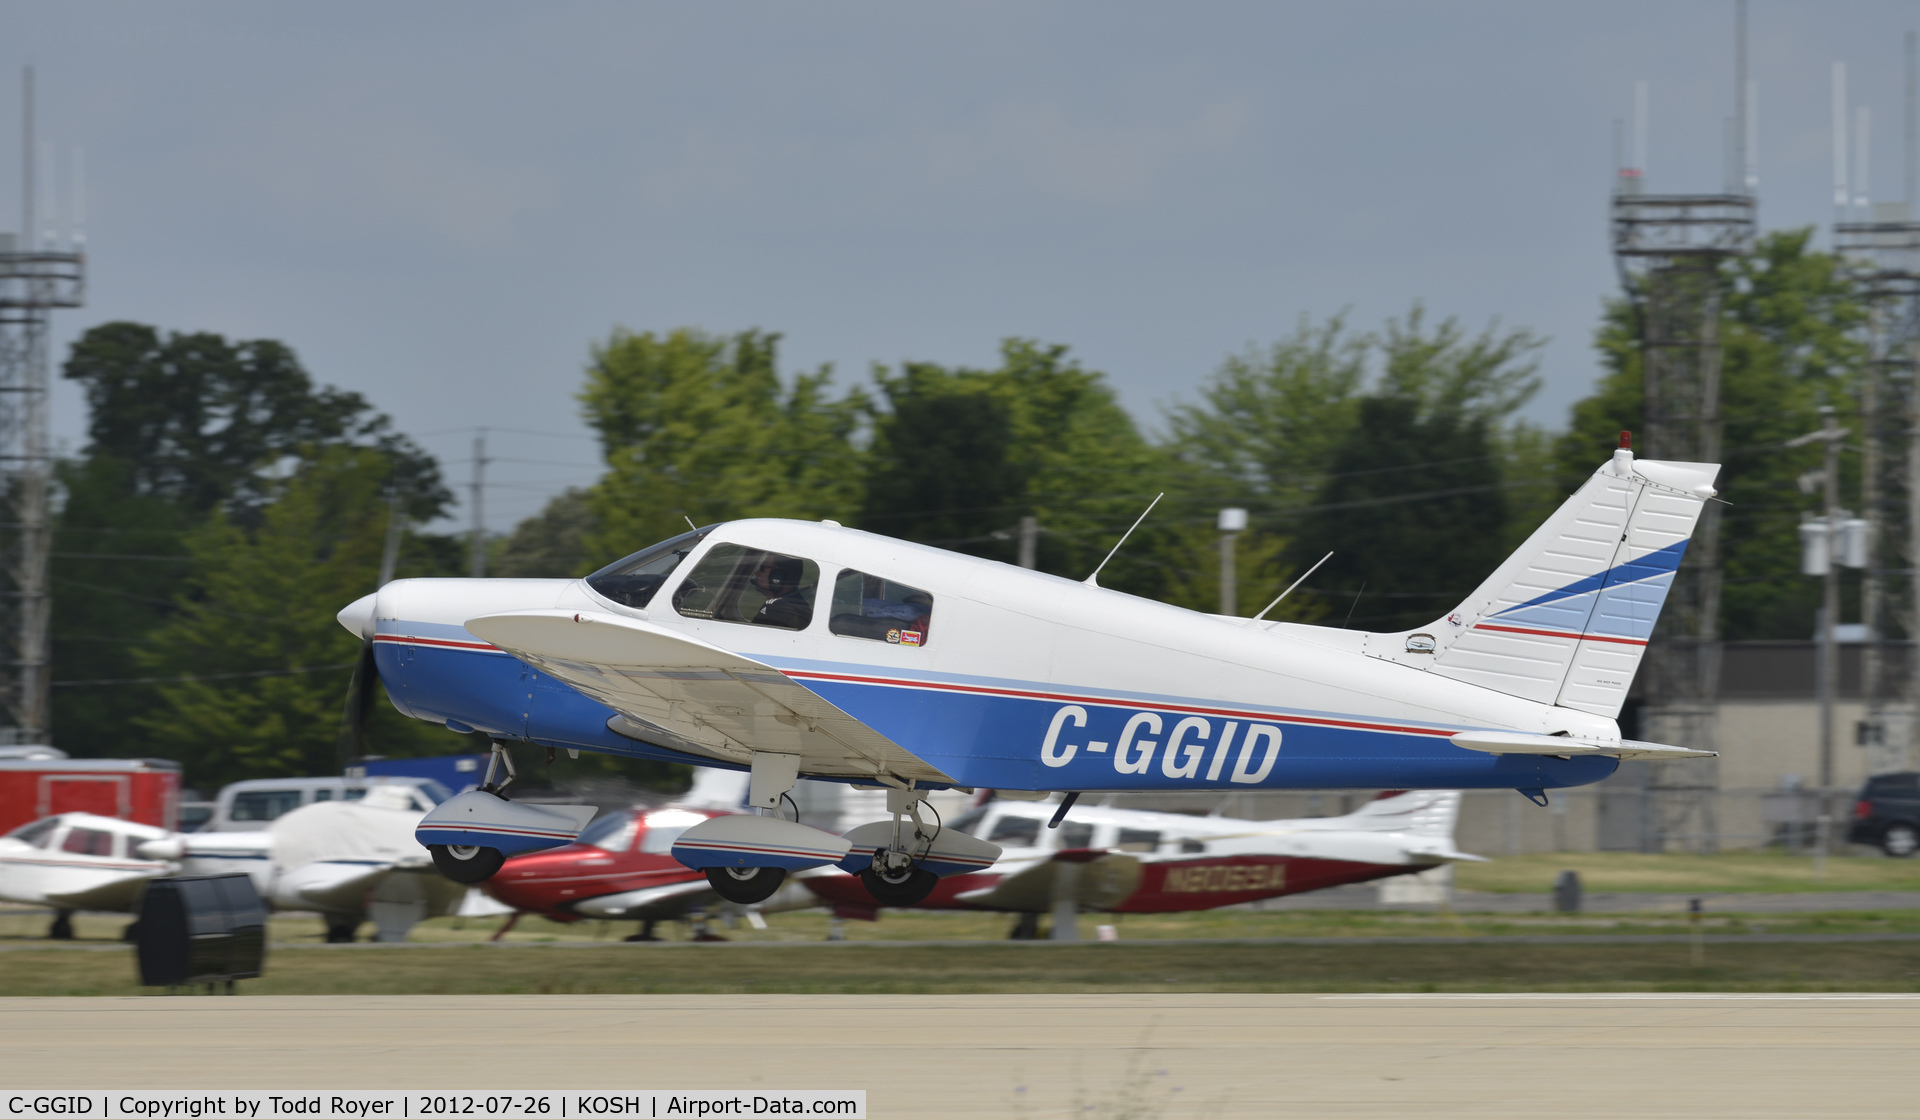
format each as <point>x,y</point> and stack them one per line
<point>1170,1056</point>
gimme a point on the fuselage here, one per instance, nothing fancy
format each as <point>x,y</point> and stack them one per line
<point>1013,679</point>
<point>1178,862</point>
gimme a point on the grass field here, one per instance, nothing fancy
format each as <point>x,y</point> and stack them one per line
<point>20,928</point>
<point>1770,872</point>
<point>1001,967</point>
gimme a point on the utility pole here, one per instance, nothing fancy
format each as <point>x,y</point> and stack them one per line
<point>1829,600</point>
<point>1029,540</point>
<point>477,538</point>
<point>1233,522</point>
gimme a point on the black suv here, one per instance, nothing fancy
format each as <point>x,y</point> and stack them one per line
<point>1888,814</point>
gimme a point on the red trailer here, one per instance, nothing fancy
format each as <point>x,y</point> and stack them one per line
<point>146,790</point>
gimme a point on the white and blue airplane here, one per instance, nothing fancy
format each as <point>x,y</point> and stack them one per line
<point>793,649</point>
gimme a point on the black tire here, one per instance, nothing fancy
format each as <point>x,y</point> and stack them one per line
<point>62,927</point>
<point>465,864</point>
<point>746,885</point>
<point>1900,841</point>
<point>909,888</point>
<point>1025,928</point>
<point>341,928</point>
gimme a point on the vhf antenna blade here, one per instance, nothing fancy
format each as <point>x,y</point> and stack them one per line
<point>1294,584</point>
<point>1123,537</point>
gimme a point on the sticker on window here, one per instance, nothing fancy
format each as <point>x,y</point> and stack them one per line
<point>880,610</point>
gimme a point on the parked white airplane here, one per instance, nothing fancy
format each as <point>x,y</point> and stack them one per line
<point>78,861</point>
<point>1132,861</point>
<point>789,648</point>
<point>346,860</point>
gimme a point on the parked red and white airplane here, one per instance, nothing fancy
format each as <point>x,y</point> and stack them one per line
<point>790,648</point>
<point>345,860</point>
<point>1130,861</point>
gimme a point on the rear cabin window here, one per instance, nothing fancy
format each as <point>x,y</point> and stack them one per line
<point>1015,832</point>
<point>734,583</point>
<point>1076,834</point>
<point>88,842</point>
<point>872,607</point>
<point>1138,840</point>
<point>264,804</point>
<point>632,581</point>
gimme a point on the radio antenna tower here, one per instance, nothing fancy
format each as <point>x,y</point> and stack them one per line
<point>36,276</point>
<point>1670,249</point>
<point>1880,252</point>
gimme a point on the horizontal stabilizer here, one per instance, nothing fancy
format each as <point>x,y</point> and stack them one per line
<point>1522,742</point>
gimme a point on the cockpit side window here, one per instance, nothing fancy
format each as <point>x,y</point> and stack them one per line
<point>735,583</point>
<point>632,581</point>
<point>867,606</point>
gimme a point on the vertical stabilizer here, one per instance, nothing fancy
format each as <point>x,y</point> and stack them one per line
<point>1566,619</point>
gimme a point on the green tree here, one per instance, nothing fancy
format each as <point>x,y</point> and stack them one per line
<point>265,664</point>
<point>552,543</point>
<point>697,426</point>
<point>1790,341</point>
<point>182,428</point>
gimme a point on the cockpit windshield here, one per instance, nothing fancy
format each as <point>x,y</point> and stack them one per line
<point>631,582</point>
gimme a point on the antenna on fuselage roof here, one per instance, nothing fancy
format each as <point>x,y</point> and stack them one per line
<point>1291,586</point>
<point>689,522</point>
<point>1123,537</point>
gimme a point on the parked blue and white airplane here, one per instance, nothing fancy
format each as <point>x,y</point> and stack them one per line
<point>796,649</point>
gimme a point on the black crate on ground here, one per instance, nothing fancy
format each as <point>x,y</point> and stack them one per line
<point>201,929</point>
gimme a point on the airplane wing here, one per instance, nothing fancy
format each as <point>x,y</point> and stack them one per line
<point>650,902</point>
<point>328,884</point>
<point>686,694</point>
<point>114,894</point>
<point>1093,879</point>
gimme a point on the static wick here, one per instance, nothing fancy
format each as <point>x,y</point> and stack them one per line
<point>1291,586</point>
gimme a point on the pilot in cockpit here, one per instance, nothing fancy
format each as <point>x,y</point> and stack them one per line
<point>787,604</point>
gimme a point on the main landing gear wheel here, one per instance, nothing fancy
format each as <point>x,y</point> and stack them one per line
<point>62,928</point>
<point>464,863</point>
<point>907,887</point>
<point>746,884</point>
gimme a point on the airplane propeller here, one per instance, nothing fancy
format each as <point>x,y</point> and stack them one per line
<point>358,709</point>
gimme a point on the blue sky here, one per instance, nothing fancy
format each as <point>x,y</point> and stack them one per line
<point>444,205</point>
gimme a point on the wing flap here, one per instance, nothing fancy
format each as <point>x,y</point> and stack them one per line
<point>684,693</point>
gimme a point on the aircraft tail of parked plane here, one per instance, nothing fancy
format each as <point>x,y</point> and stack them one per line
<point>1566,619</point>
